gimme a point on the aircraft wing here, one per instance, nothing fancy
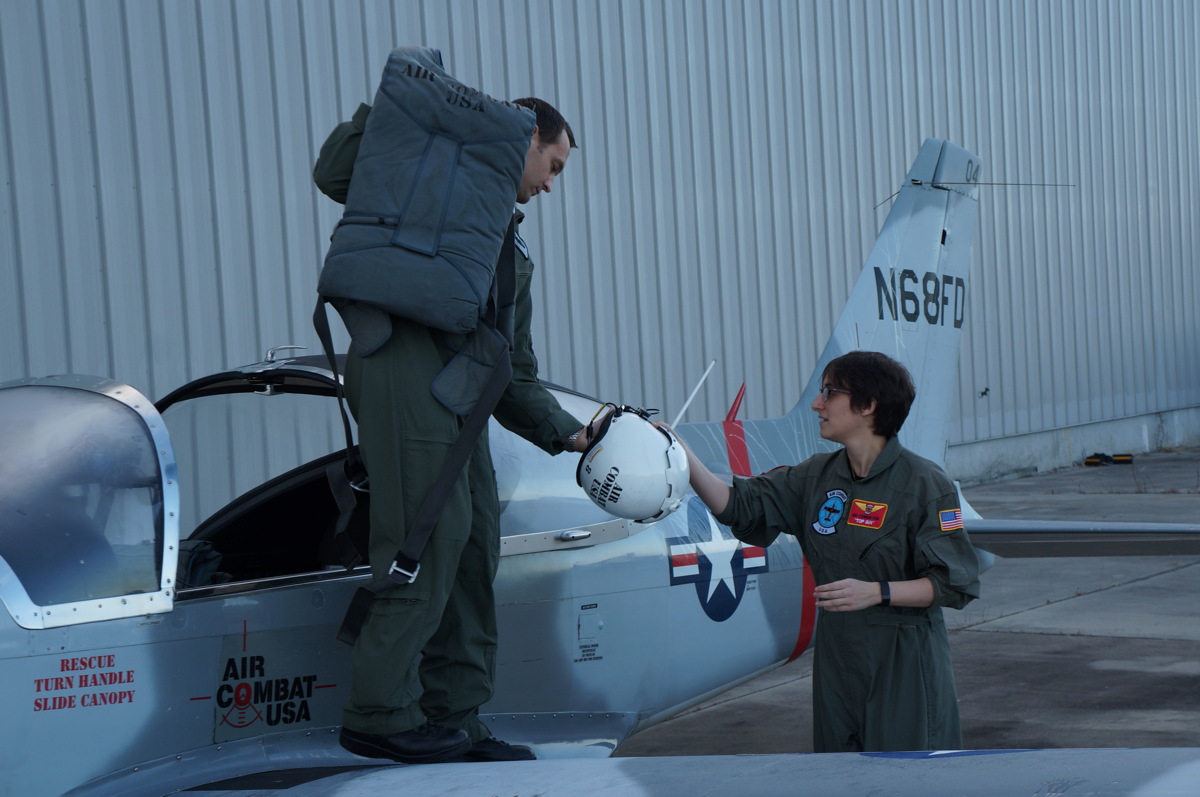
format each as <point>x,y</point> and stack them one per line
<point>1086,511</point>
<point>1050,538</point>
<point>1146,772</point>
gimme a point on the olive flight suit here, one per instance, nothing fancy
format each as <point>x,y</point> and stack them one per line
<point>882,676</point>
<point>427,649</point>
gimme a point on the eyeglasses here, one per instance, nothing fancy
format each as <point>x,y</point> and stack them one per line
<point>826,393</point>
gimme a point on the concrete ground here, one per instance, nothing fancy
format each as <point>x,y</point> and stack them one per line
<point>1068,652</point>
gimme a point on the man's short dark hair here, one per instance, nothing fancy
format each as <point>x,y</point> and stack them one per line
<point>550,122</point>
<point>872,375</point>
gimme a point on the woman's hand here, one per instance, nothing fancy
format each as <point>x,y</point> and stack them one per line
<point>848,595</point>
<point>852,595</point>
<point>711,490</point>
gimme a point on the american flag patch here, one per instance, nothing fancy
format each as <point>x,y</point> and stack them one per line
<point>951,519</point>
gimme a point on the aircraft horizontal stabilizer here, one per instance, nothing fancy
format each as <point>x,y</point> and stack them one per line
<point>1017,539</point>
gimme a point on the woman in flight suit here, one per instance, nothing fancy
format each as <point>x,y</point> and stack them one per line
<point>882,530</point>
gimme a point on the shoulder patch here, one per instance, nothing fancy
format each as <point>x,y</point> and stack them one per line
<point>951,519</point>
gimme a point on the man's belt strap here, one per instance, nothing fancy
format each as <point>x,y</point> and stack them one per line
<point>344,476</point>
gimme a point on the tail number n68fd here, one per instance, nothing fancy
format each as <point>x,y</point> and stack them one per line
<point>938,298</point>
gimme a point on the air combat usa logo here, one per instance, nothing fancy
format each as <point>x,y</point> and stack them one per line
<point>715,561</point>
<point>268,685</point>
<point>831,512</point>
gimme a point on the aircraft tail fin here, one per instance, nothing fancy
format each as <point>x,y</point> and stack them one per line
<point>910,302</point>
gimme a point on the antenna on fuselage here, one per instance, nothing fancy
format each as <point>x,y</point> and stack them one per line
<point>695,390</point>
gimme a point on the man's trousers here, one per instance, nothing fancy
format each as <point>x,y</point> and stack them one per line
<point>427,650</point>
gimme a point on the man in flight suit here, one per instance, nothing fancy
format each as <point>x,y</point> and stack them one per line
<point>425,659</point>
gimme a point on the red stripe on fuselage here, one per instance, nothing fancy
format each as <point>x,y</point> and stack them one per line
<point>739,465</point>
<point>735,444</point>
<point>735,438</point>
<point>808,613</point>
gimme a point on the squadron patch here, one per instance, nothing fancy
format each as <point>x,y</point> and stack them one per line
<point>867,514</point>
<point>831,512</point>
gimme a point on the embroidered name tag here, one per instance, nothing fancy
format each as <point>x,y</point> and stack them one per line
<point>867,514</point>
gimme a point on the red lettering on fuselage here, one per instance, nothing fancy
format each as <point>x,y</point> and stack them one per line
<point>106,678</point>
<point>106,698</point>
<point>54,684</point>
<point>87,663</point>
<point>85,679</point>
<point>53,703</point>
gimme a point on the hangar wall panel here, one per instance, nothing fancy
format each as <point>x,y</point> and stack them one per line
<point>157,220</point>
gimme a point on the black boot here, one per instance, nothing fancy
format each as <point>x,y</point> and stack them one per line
<point>492,749</point>
<point>427,744</point>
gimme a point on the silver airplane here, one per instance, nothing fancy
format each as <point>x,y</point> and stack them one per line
<point>173,587</point>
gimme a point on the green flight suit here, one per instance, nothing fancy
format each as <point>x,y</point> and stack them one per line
<point>427,650</point>
<point>882,676</point>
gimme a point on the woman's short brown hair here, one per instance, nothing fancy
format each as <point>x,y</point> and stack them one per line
<point>873,376</point>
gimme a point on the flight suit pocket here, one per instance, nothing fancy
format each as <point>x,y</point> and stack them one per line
<point>423,460</point>
<point>897,616</point>
<point>460,384</point>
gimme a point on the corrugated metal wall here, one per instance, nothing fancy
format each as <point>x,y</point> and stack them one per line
<point>158,222</point>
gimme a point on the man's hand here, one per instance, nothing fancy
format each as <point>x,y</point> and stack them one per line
<point>585,436</point>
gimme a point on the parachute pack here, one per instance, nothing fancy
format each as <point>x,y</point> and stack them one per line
<point>436,175</point>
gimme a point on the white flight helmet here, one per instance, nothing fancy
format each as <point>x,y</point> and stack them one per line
<point>633,469</point>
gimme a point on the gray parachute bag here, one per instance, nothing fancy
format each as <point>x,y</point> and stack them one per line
<point>437,172</point>
<point>428,214</point>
